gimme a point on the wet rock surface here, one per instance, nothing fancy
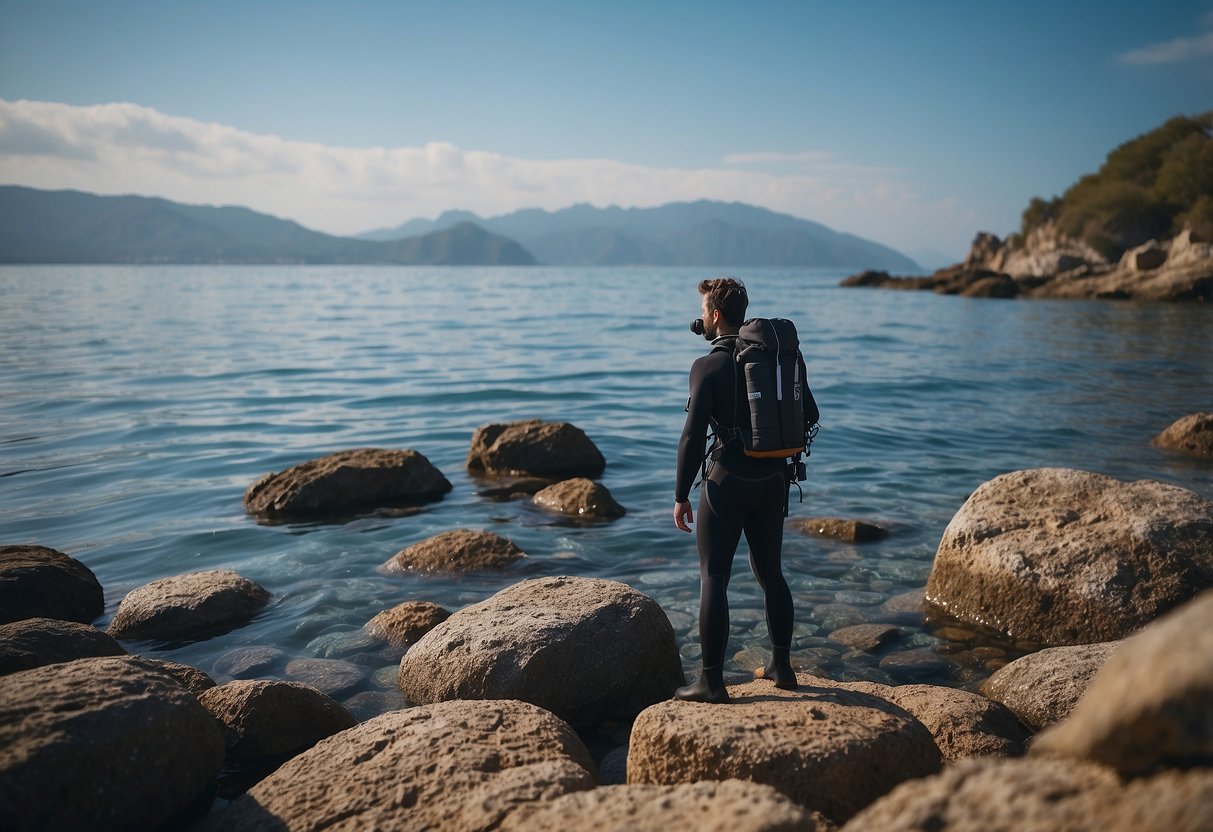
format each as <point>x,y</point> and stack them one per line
<point>188,607</point>
<point>404,624</point>
<point>848,531</point>
<point>461,550</point>
<point>1193,435</point>
<point>35,642</point>
<point>39,582</point>
<point>534,448</point>
<point>357,480</point>
<point>580,498</point>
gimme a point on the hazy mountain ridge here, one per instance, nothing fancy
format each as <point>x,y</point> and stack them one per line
<point>75,227</point>
<point>702,233</point>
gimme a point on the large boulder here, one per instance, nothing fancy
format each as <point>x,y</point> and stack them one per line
<point>1061,556</point>
<point>264,720</point>
<point>580,498</point>
<point>1193,434</point>
<point>104,743</point>
<point>188,607</point>
<point>404,624</point>
<point>535,448</point>
<point>37,582</point>
<point>709,806</point>
<point>349,481</point>
<point>34,642</point>
<point>455,766</point>
<point>1151,704</point>
<point>584,648</point>
<point>963,724</point>
<point>831,750</point>
<point>461,550</point>
<point>1042,688</point>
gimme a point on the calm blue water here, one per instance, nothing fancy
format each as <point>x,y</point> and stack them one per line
<point>137,404</point>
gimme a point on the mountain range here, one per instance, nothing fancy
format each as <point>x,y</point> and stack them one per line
<point>703,233</point>
<point>73,227</point>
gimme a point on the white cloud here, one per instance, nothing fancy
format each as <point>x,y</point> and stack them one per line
<point>1172,51</point>
<point>130,149</point>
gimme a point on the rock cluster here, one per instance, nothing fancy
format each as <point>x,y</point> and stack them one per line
<point>1050,266</point>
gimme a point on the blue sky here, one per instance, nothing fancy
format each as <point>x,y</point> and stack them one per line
<point>914,124</point>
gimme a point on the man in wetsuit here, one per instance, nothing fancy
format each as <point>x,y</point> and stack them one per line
<point>740,494</point>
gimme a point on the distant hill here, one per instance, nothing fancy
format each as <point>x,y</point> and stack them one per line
<point>703,233</point>
<point>73,227</point>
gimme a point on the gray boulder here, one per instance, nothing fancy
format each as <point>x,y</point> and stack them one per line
<point>188,607</point>
<point>584,648</point>
<point>264,720</point>
<point>104,743</point>
<point>580,498</point>
<point>1042,688</point>
<point>534,448</point>
<point>1193,434</point>
<point>35,642</point>
<point>461,550</point>
<point>456,766</point>
<point>1150,704</point>
<point>349,481</point>
<point>404,624</point>
<point>1061,556</point>
<point>37,582</point>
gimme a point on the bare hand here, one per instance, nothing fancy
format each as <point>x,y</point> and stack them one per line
<point>683,515</point>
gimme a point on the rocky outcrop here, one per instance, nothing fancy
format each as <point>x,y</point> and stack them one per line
<point>37,582</point>
<point>1149,706</point>
<point>188,607</point>
<point>580,498</point>
<point>404,624</point>
<point>1061,556</point>
<point>829,749</point>
<point>36,642</point>
<point>1193,434</point>
<point>1042,688</point>
<point>350,481</point>
<point>848,531</point>
<point>584,648</point>
<point>1050,266</point>
<point>104,743</point>
<point>534,448</point>
<point>264,720</point>
<point>456,766</point>
<point>726,806</point>
<point>461,550</point>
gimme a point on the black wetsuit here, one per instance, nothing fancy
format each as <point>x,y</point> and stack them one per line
<point>740,495</point>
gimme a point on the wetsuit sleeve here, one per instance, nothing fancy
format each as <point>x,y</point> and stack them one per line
<point>693,442</point>
<point>811,413</point>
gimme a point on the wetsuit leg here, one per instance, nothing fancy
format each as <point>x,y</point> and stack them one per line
<point>764,535</point>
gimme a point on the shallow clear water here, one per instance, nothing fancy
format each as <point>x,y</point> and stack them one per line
<point>138,404</point>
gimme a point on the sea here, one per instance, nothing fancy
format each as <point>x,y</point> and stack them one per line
<point>137,404</point>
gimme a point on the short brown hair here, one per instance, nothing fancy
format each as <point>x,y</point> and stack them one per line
<point>728,296</point>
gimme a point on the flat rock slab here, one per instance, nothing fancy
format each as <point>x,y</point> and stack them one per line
<point>586,649</point>
<point>1071,557</point>
<point>726,806</point>
<point>580,498</point>
<point>404,624</point>
<point>1043,687</point>
<point>534,448</point>
<point>358,480</point>
<point>188,607</point>
<point>829,749</point>
<point>103,743</point>
<point>35,642</point>
<point>1149,706</point>
<point>461,550</point>
<point>455,766</point>
<point>265,720</point>
<point>38,582</point>
<point>838,528</point>
<point>1193,435</point>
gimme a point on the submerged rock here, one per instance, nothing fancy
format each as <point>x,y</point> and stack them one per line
<point>406,623</point>
<point>38,582</point>
<point>348,481</point>
<point>249,662</point>
<point>461,550</point>
<point>269,720</point>
<point>848,531</point>
<point>36,642</point>
<point>1043,687</point>
<point>584,648</point>
<point>1193,434</point>
<point>534,448</point>
<point>579,497</point>
<point>453,766</point>
<point>1069,557</point>
<point>187,607</point>
<point>330,676</point>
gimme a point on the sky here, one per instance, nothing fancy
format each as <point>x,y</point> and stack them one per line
<point>914,124</point>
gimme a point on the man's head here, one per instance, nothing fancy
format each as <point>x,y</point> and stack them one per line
<point>724,304</point>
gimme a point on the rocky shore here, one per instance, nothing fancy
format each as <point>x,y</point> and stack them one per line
<point>548,705</point>
<point>1047,265</point>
